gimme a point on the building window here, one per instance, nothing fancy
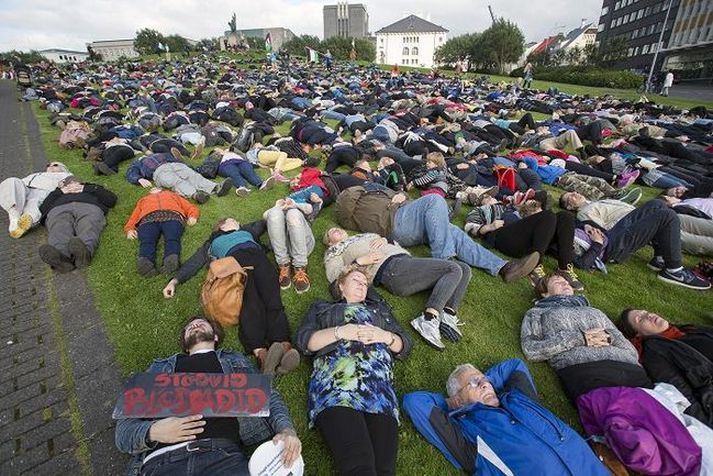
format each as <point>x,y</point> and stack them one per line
<point>605,10</point>
<point>405,51</point>
<point>630,52</point>
<point>414,51</point>
<point>644,49</point>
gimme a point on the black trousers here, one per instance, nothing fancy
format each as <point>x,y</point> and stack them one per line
<point>525,121</point>
<point>541,232</point>
<point>113,156</point>
<point>262,318</point>
<point>342,155</point>
<point>361,444</point>
<point>592,132</point>
<point>587,170</point>
<point>653,223</point>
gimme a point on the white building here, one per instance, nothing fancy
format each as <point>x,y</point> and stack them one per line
<point>112,50</point>
<point>580,37</point>
<point>59,55</point>
<point>409,42</point>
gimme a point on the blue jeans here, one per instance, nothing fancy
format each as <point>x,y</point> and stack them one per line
<point>425,221</point>
<point>223,461</point>
<point>239,171</point>
<point>149,234</point>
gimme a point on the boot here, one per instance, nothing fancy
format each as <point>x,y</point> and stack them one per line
<point>290,358</point>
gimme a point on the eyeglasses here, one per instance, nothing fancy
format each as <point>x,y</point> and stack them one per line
<point>475,382</point>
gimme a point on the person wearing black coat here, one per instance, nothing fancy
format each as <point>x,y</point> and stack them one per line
<point>74,214</point>
<point>681,355</point>
<point>263,329</point>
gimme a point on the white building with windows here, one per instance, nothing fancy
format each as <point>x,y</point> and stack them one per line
<point>59,55</point>
<point>411,41</point>
<point>112,50</point>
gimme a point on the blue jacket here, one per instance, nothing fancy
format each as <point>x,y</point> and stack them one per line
<point>548,173</point>
<point>130,434</point>
<point>519,437</point>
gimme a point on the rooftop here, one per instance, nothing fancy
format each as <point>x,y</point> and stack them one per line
<point>412,23</point>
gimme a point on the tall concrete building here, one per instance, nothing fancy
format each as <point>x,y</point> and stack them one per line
<point>690,50</point>
<point>346,20</point>
<point>639,23</point>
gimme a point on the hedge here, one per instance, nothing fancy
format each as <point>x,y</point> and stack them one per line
<point>586,76</point>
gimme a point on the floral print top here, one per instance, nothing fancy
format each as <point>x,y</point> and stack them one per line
<point>353,375</point>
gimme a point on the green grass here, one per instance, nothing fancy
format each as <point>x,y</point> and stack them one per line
<point>142,325</point>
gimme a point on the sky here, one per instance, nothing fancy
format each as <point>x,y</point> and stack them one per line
<point>41,24</point>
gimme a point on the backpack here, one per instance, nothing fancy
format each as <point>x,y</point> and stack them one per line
<point>222,292</point>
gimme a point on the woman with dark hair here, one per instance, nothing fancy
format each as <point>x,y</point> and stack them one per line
<point>680,355</point>
<point>351,397</point>
<point>263,329</point>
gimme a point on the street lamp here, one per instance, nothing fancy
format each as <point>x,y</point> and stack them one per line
<point>658,47</point>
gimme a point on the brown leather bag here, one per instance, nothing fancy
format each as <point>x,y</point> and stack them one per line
<point>222,293</point>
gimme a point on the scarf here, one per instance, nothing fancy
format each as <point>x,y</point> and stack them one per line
<point>672,332</point>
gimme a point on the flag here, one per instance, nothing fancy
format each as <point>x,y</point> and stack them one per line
<point>268,42</point>
<point>312,55</point>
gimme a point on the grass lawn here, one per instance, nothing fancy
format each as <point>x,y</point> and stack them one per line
<point>142,325</point>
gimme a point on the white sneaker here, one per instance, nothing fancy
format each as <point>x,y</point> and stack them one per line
<point>242,191</point>
<point>450,327</point>
<point>429,330</point>
<point>268,183</point>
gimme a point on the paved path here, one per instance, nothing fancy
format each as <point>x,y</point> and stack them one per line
<point>693,92</point>
<point>58,381</point>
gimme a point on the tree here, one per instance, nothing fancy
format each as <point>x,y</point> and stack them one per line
<point>341,47</point>
<point>147,40</point>
<point>503,42</point>
<point>296,46</point>
<point>591,55</point>
<point>24,57</point>
<point>458,48</point>
<point>177,44</point>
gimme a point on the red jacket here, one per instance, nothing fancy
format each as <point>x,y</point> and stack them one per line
<point>163,200</point>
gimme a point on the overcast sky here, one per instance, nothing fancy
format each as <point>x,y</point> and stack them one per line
<point>40,24</point>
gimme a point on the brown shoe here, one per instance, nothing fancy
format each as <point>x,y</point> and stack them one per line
<point>197,152</point>
<point>285,278</point>
<point>290,358</point>
<point>301,280</point>
<point>270,359</point>
<point>517,268</point>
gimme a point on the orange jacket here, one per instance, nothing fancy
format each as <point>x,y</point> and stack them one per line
<point>164,200</point>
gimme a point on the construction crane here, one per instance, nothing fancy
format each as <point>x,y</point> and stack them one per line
<point>492,15</point>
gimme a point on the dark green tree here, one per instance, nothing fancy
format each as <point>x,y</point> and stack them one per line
<point>458,48</point>
<point>177,44</point>
<point>341,47</point>
<point>296,46</point>
<point>147,41</point>
<point>503,43</point>
<point>233,23</point>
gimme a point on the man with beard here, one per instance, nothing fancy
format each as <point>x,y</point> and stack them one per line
<point>173,445</point>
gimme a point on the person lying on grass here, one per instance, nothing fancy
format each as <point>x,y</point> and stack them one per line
<point>491,423</point>
<point>263,329</point>
<point>198,445</point>
<point>392,266</point>
<point>351,397</point>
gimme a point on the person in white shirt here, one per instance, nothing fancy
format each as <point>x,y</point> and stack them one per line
<point>21,198</point>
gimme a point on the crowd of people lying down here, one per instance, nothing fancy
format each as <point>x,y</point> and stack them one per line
<point>408,154</point>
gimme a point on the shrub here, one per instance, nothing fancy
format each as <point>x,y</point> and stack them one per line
<point>586,76</point>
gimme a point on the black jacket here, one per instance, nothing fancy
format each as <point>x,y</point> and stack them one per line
<point>675,362</point>
<point>201,257</point>
<point>92,194</point>
<point>324,314</point>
